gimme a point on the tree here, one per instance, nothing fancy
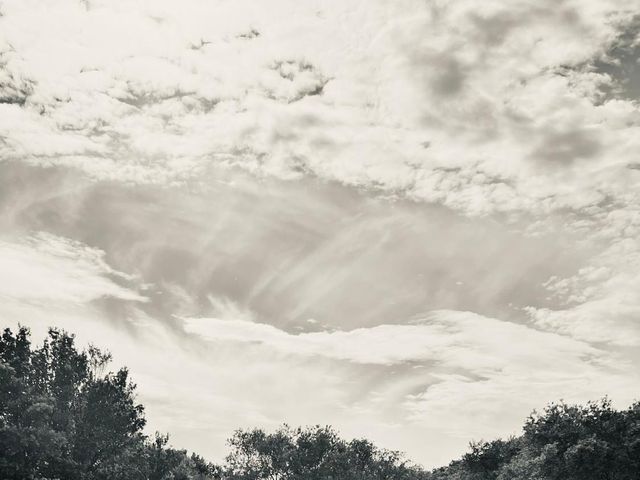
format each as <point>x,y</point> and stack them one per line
<point>486,458</point>
<point>593,441</point>
<point>62,417</point>
<point>314,453</point>
<point>563,442</point>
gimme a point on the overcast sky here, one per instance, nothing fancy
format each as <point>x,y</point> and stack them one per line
<point>413,220</point>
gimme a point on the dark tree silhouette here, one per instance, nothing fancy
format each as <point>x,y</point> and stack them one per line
<point>61,418</point>
<point>564,442</point>
<point>314,453</point>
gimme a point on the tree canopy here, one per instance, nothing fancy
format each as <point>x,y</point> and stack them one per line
<point>65,415</point>
<point>313,453</point>
<point>62,418</point>
<point>563,442</point>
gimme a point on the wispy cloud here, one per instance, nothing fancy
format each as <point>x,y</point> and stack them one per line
<point>44,268</point>
<point>440,373</point>
<point>450,339</point>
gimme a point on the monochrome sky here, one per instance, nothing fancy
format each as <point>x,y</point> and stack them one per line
<point>413,220</point>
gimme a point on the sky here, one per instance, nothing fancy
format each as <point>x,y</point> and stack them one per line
<point>416,221</point>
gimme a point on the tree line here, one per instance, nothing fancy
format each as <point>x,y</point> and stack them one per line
<point>64,415</point>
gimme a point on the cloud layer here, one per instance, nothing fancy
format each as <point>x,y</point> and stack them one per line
<point>44,269</point>
<point>502,108</point>
<point>414,220</point>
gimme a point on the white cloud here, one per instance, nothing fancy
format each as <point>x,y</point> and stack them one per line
<point>499,95</point>
<point>601,301</point>
<point>451,339</point>
<point>451,376</point>
<point>44,268</point>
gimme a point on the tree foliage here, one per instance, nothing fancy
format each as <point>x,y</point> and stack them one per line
<point>563,442</point>
<point>62,418</point>
<point>314,453</point>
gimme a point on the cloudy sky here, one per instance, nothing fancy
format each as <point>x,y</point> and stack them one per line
<point>413,220</point>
